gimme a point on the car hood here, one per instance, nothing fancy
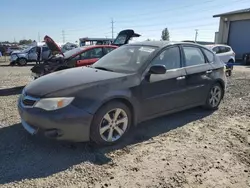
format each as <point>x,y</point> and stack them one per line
<point>54,48</point>
<point>83,77</point>
<point>21,54</point>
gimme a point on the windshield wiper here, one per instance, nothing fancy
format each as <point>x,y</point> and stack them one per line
<point>102,68</point>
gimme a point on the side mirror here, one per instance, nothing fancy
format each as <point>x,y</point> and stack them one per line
<point>157,69</point>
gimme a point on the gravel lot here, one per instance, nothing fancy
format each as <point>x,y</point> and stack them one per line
<point>194,148</point>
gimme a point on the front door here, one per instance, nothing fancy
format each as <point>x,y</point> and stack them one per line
<point>164,92</point>
<point>198,72</point>
<point>90,56</point>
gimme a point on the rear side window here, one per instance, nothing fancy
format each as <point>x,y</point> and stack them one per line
<point>193,56</point>
<point>224,49</point>
<point>45,49</point>
<point>169,57</point>
<point>209,55</point>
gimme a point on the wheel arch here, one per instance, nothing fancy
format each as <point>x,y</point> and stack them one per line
<point>222,84</point>
<point>125,101</point>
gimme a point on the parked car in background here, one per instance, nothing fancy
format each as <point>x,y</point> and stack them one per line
<point>82,56</point>
<point>28,55</point>
<point>224,52</point>
<point>131,84</point>
<point>68,46</point>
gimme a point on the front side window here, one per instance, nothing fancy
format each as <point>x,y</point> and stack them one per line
<point>193,56</point>
<point>32,50</point>
<point>169,57</point>
<point>126,58</point>
<point>45,49</point>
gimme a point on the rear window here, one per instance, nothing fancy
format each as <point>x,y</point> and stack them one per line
<point>209,55</point>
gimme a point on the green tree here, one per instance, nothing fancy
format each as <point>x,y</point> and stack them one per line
<point>165,34</point>
<point>22,42</point>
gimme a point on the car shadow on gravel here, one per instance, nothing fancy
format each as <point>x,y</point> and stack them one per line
<point>11,91</point>
<point>28,65</point>
<point>23,156</point>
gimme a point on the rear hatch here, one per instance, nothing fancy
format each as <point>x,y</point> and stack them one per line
<point>124,36</point>
<point>54,48</point>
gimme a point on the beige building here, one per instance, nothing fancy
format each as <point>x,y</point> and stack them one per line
<point>234,30</point>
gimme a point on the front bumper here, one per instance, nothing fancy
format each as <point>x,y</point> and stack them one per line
<point>69,123</point>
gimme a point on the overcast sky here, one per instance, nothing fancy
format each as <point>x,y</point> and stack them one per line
<point>92,18</point>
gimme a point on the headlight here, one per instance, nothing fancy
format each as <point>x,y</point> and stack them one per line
<point>53,103</point>
<point>13,57</point>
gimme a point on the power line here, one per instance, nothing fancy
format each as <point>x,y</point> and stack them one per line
<point>38,37</point>
<point>112,28</point>
<point>63,36</point>
<point>207,9</point>
<point>196,35</point>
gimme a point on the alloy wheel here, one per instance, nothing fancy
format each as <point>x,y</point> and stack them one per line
<point>113,125</point>
<point>215,96</point>
<point>22,61</point>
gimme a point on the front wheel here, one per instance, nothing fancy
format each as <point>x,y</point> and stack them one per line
<point>214,97</point>
<point>110,124</point>
<point>22,62</point>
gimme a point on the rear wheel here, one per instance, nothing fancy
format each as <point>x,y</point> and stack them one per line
<point>22,62</point>
<point>110,123</point>
<point>214,97</point>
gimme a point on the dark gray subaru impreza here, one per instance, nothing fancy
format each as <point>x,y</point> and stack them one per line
<point>133,83</point>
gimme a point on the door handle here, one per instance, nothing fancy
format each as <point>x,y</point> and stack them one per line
<point>209,71</point>
<point>180,78</point>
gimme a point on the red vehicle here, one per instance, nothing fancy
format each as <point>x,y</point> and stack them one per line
<point>82,56</point>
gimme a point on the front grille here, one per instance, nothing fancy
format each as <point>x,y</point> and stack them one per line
<point>28,102</point>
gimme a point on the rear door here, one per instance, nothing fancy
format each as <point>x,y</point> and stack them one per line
<point>198,79</point>
<point>45,52</point>
<point>164,92</point>
<point>32,55</point>
<point>90,56</point>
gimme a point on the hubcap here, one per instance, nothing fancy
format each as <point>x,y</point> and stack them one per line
<point>215,96</point>
<point>22,61</point>
<point>113,125</point>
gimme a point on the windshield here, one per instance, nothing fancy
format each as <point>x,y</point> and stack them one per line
<point>125,59</point>
<point>69,53</point>
<point>27,49</point>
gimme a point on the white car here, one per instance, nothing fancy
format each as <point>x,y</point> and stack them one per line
<point>224,52</point>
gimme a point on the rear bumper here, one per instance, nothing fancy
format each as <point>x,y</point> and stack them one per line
<point>69,123</point>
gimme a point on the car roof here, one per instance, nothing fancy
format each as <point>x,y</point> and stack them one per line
<point>97,46</point>
<point>162,44</point>
<point>215,45</point>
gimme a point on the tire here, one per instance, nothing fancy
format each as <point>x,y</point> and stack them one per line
<point>246,61</point>
<point>215,90</point>
<point>22,62</point>
<point>100,131</point>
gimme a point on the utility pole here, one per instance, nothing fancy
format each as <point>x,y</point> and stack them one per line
<point>112,27</point>
<point>196,35</point>
<point>39,37</point>
<point>63,36</point>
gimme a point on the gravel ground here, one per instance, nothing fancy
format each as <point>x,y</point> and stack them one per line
<point>194,148</point>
